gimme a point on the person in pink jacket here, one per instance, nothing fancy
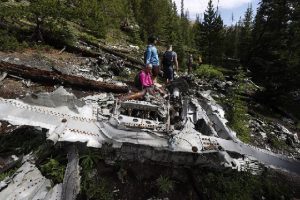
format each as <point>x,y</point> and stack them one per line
<point>145,77</point>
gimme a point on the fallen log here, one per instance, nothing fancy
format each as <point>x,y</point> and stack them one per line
<point>54,77</point>
<point>90,53</point>
<point>117,53</point>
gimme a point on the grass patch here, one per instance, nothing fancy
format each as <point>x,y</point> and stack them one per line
<point>7,174</point>
<point>100,190</point>
<point>164,185</point>
<point>210,72</point>
<point>243,185</point>
<point>237,114</point>
<point>238,120</point>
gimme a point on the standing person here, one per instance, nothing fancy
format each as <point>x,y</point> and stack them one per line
<point>169,59</point>
<point>151,56</point>
<point>190,64</point>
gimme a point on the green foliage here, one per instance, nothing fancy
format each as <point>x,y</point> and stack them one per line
<point>237,114</point>
<point>8,42</point>
<point>238,120</point>
<point>275,52</point>
<point>89,160</point>
<point>165,185</point>
<point>244,186</point>
<point>90,184</point>
<point>211,30</point>
<point>54,170</point>
<point>7,174</point>
<point>276,143</point>
<point>210,72</point>
<point>246,35</point>
<point>99,191</point>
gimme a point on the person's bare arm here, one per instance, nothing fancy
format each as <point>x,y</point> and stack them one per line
<point>176,63</point>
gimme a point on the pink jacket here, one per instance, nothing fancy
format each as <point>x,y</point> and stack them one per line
<point>146,79</point>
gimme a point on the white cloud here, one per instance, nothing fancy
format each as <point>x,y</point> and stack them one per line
<point>199,6</point>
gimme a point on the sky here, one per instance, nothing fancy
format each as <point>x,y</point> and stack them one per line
<point>226,8</point>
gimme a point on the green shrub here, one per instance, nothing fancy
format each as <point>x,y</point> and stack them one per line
<point>238,119</point>
<point>8,42</point>
<point>7,174</point>
<point>165,185</point>
<point>99,190</point>
<point>207,71</point>
<point>237,114</point>
<point>54,170</point>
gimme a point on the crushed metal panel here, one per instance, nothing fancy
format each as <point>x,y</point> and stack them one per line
<point>55,193</point>
<point>63,124</point>
<point>26,183</point>
<point>265,157</point>
<point>140,105</point>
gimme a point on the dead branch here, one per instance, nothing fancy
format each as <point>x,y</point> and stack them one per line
<point>117,53</point>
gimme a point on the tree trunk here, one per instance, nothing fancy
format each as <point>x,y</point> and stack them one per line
<point>54,77</point>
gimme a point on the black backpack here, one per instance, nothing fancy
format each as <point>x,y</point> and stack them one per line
<point>168,58</point>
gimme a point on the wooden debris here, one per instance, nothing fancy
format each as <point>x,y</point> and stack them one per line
<point>54,77</point>
<point>117,53</point>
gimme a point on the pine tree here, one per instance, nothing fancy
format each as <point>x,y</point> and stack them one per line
<point>211,37</point>
<point>270,39</point>
<point>182,9</point>
<point>246,35</point>
<point>197,32</point>
<point>293,52</point>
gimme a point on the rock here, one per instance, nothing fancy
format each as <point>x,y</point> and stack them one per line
<point>263,134</point>
<point>6,59</point>
<point>229,83</point>
<point>282,137</point>
<point>295,138</point>
<point>289,121</point>
<point>134,47</point>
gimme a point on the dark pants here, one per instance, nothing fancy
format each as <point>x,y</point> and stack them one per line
<point>155,70</point>
<point>169,73</point>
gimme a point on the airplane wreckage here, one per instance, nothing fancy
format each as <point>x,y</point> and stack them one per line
<point>179,129</point>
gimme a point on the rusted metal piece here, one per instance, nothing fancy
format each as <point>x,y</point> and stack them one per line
<point>54,77</point>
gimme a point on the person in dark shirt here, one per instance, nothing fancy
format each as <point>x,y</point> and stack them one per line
<point>169,60</point>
